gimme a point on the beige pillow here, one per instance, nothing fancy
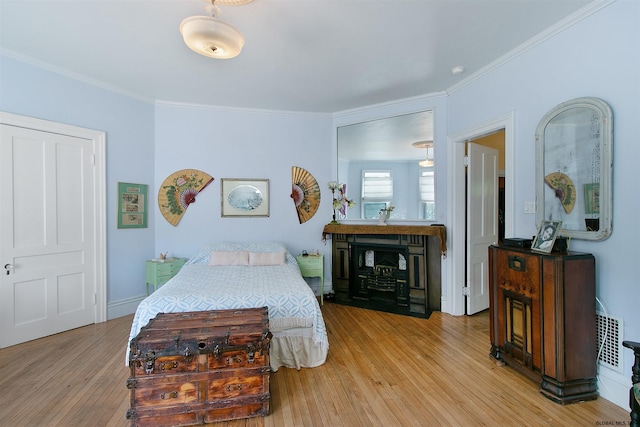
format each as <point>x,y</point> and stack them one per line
<point>229,258</point>
<point>267,258</point>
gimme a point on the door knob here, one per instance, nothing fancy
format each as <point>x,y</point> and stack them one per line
<point>8,268</point>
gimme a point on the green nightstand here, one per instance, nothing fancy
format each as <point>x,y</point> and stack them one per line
<point>313,266</point>
<point>159,273</point>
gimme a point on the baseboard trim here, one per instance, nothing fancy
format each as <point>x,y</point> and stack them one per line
<point>123,307</point>
<point>614,387</point>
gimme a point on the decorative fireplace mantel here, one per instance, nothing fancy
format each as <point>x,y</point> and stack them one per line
<point>393,268</point>
<point>416,230</point>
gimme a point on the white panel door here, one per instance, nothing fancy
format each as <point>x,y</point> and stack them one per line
<point>47,241</point>
<point>482,222</point>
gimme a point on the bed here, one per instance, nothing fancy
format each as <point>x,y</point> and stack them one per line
<point>229,275</point>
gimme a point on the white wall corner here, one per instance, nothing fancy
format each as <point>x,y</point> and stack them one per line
<point>614,387</point>
<point>123,307</point>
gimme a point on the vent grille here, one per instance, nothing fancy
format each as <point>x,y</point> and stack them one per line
<point>609,341</point>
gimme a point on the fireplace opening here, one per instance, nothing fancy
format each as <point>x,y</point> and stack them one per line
<point>381,275</point>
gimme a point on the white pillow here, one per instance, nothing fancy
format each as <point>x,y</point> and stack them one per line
<point>204,254</point>
<point>229,258</point>
<point>267,258</point>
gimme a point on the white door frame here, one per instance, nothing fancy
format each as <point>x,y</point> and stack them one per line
<point>99,190</point>
<point>454,300</point>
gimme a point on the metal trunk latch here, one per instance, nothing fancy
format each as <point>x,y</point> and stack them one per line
<point>149,361</point>
<point>251,352</point>
<point>187,354</point>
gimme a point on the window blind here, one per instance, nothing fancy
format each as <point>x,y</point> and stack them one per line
<point>377,185</point>
<point>427,186</point>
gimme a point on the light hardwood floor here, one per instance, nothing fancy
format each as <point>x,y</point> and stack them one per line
<point>382,370</point>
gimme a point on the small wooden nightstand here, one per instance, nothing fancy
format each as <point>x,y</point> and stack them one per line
<point>159,273</point>
<point>313,266</point>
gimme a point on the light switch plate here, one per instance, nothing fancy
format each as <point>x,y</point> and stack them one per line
<point>529,207</point>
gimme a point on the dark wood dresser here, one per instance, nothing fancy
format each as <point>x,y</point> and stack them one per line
<point>543,319</point>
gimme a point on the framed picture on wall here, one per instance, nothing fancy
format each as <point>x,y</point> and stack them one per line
<point>592,198</point>
<point>244,197</point>
<point>132,205</point>
<point>546,236</point>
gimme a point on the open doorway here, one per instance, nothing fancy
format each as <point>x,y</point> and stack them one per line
<point>482,216</point>
<point>456,301</point>
<point>496,140</point>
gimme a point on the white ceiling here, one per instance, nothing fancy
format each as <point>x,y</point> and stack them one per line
<point>319,56</point>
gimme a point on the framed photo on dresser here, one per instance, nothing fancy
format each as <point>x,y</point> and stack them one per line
<point>546,236</point>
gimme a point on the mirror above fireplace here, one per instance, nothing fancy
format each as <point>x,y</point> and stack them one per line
<point>387,144</point>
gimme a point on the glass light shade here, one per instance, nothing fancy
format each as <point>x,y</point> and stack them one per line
<point>426,163</point>
<point>212,37</point>
<point>429,160</point>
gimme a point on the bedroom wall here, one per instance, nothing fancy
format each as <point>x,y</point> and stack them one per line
<point>596,57</point>
<point>236,143</point>
<point>34,91</point>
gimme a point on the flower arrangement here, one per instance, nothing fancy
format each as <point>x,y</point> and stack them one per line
<point>340,200</point>
<point>385,213</point>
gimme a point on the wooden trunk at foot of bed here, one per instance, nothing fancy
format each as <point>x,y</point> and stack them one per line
<point>200,367</point>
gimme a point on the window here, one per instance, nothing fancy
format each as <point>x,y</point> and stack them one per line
<point>427,194</point>
<point>372,209</point>
<point>377,192</point>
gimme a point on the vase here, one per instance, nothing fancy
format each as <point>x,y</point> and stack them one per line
<point>382,220</point>
<point>334,222</point>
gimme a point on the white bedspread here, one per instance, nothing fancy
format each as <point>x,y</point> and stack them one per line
<point>291,302</point>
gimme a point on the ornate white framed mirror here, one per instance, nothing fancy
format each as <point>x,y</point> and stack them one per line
<point>574,146</point>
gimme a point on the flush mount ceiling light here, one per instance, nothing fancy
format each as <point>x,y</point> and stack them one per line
<point>211,36</point>
<point>429,159</point>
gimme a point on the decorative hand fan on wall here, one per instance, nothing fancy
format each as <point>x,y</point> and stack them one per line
<point>178,191</point>
<point>305,193</point>
<point>564,189</point>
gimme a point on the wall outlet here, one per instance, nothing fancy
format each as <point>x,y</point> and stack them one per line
<point>529,207</point>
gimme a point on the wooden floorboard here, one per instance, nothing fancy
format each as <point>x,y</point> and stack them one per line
<point>382,370</point>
